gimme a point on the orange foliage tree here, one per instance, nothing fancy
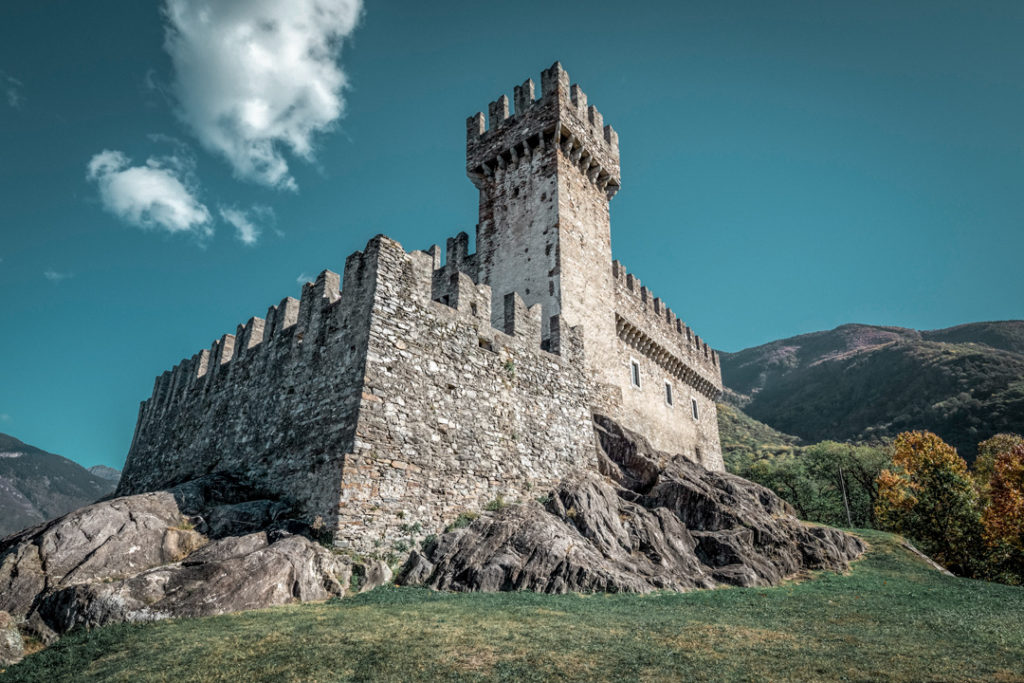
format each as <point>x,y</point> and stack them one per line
<point>985,464</point>
<point>929,496</point>
<point>1003,519</point>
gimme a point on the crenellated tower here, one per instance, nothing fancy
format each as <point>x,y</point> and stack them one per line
<point>546,172</point>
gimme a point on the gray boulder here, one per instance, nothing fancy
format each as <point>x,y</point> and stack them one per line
<point>371,574</point>
<point>650,522</point>
<point>164,554</point>
<point>229,575</point>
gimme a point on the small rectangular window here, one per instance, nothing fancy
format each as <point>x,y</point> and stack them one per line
<point>693,405</point>
<point>668,393</point>
<point>634,373</point>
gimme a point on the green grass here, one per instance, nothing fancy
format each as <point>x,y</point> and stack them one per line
<point>890,618</point>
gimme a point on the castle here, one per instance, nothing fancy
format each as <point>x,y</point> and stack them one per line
<point>407,391</point>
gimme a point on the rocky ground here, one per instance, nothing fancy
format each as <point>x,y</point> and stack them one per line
<point>207,547</point>
<point>216,545</point>
<point>633,527</point>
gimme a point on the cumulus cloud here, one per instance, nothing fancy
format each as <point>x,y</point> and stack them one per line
<point>56,277</point>
<point>255,79</point>
<point>248,223</point>
<point>12,90</point>
<point>159,194</point>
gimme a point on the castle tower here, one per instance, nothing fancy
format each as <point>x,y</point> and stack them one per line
<point>546,172</point>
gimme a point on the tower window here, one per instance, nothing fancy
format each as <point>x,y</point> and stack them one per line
<point>693,406</point>
<point>634,373</point>
<point>668,393</point>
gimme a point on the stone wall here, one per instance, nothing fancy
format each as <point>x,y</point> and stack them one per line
<point>455,413</point>
<point>667,350</point>
<point>377,409</point>
<point>276,402</point>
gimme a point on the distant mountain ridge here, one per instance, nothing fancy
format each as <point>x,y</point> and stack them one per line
<point>36,486</point>
<point>865,382</point>
<point>104,472</point>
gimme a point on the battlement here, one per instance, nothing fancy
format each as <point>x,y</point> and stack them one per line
<point>304,323</point>
<point>560,119</point>
<point>644,322</point>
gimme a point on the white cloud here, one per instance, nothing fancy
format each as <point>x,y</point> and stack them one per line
<point>303,279</point>
<point>4,417</point>
<point>159,194</point>
<point>247,224</point>
<point>12,90</point>
<point>53,276</point>
<point>254,78</point>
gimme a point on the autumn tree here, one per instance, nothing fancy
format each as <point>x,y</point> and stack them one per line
<point>1003,519</point>
<point>929,496</point>
<point>985,463</point>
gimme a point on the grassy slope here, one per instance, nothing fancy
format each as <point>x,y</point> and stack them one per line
<point>742,435</point>
<point>891,618</point>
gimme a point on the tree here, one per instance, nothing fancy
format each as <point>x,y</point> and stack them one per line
<point>988,451</point>
<point>929,496</point>
<point>839,467</point>
<point>1003,519</point>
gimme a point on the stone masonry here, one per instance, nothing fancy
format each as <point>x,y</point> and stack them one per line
<point>407,391</point>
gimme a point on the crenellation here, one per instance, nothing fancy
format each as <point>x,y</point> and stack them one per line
<point>554,80</point>
<point>227,348</point>
<point>523,96</point>
<point>252,334</point>
<point>520,320</point>
<point>579,99</point>
<point>497,112</point>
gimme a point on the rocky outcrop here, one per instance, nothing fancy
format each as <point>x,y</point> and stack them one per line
<point>12,647</point>
<point>641,526</point>
<point>199,549</point>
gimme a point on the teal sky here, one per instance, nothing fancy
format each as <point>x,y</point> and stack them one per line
<point>786,166</point>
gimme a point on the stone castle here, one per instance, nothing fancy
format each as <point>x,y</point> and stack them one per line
<point>409,390</point>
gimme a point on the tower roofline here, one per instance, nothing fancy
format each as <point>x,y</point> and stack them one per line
<point>561,117</point>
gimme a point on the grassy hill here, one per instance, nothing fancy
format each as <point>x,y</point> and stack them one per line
<point>36,486</point>
<point>865,383</point>
<point>742,435</point>
<point>891,618</point>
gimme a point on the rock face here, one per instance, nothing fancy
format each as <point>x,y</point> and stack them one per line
<point>195,550</point>
<point>642,526</point>
<point>12,647</point>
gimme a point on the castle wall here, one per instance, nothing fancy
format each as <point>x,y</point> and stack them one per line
<point>455,413</point>
<point>276,403</point>
<point>667,350</point>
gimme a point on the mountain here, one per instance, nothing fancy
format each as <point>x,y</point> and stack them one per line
<point>104,472</point>
<point>36,486</point>
<point>864,382</point>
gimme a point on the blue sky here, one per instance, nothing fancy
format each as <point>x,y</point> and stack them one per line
<point>787,167</point>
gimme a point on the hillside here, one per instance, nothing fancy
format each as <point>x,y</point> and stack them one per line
<point>864,625</point>
<point>36,486</point>
<point>742,434</point>
<point>862,382</point>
